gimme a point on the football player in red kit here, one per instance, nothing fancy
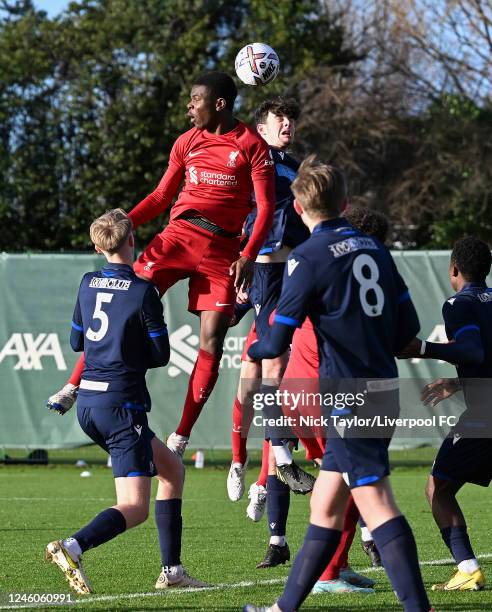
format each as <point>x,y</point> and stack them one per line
<point>221,161</point>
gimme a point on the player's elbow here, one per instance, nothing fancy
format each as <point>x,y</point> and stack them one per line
<point>162,358</point>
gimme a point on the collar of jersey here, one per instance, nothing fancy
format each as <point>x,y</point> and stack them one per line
<point>472,286</point>
<point>329,225</point>
<point>109,268</point>
<point>232,134</point>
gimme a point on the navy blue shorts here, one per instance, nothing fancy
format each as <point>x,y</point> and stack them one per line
<point>464,460</point>
<point>360,458</point>
<point>361,461</point>
<point>123,433</point>
<point>265,293</point>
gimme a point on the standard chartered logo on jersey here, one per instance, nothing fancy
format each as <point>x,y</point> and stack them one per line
<point>184,351</point>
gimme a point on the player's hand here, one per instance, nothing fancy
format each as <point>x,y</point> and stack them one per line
<point>439,390</point>
<point>242,297</point>
<point>411,350</point>
<point>242,270</point>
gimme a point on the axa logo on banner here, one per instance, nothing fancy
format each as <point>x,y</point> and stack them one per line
<point>184,351</point>
<point>30,350</point>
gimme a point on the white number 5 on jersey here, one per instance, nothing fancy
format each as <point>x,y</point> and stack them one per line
<point>368,283</point>
<point>101,315</point>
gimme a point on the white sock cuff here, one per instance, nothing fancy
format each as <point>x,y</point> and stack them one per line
<point>468,566</point>
<point>365,534</point>
<point>283,456</point>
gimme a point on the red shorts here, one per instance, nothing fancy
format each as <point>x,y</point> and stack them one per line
<point>304,358</point>
<point>250,338</point>
<point>302,375</point>
<point>184,250</point>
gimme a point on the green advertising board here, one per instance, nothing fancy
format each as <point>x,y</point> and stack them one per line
<point>37,302</point>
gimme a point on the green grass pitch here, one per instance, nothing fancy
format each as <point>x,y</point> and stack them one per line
<point>220,545</point>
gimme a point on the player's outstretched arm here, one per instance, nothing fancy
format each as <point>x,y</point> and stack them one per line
<point>275,342</point>
<point>157,202</point>
<point>297,292</point>
<point>467,348</point>
<point>265,203</point>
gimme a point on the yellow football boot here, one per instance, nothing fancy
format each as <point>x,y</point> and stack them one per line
<point>461,581</point>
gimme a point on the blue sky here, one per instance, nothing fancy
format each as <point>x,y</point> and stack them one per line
<point>52,7</point>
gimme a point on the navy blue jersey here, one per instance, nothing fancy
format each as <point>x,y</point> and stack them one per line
<point>118,323</point>
<point>287,227</point>
<point>348,285</point>
<point>470,312</point>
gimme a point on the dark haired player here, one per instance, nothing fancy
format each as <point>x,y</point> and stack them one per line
<point>362,314</point>
<point>220,160</point>
<point>465,455</point>
<point>118,322</point>
<point>275,121</point>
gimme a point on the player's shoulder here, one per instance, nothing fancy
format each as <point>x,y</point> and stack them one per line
<point>88,276</point>
<point>457,305</point>
<point>248,136</point>
<point>187,138</point>
<point>468,297</point>
<point>306,252</point>
<point>284,158</point>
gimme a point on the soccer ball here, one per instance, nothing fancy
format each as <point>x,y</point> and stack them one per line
<point>257,64</point>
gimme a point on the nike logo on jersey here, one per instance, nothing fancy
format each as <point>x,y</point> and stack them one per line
<point>195,153</point>
<point>291,266</point>
<point>219,304</point>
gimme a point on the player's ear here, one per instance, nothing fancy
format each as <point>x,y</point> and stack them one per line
<point>98,249</point>
<point>261,129</point>
<point>220,104</point>
<point>298,208</point>
<point>131,240</point>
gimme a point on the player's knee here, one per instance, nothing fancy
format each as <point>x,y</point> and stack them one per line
<point>142,514</point>
<point>273,369</point>
<point>135,514</point>
<point>212,343</point>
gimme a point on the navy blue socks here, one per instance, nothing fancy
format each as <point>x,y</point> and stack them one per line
<point>169,525</point>
<point>396,544</point>
<point>458,542</point>
<point>278,502</point>
<point>319,547</point>
<point>106,526</point>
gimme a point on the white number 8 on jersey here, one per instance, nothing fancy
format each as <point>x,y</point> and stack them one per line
<point>368,283</point>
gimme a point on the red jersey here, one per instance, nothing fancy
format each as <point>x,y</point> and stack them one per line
<point>220,174</point>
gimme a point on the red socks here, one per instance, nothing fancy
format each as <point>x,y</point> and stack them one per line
<point>315,448</point>
<point>340,558</point>
<point>76,374</point>
<point>240,428</point>
<point>262,478</point>
<point>202,382</point>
